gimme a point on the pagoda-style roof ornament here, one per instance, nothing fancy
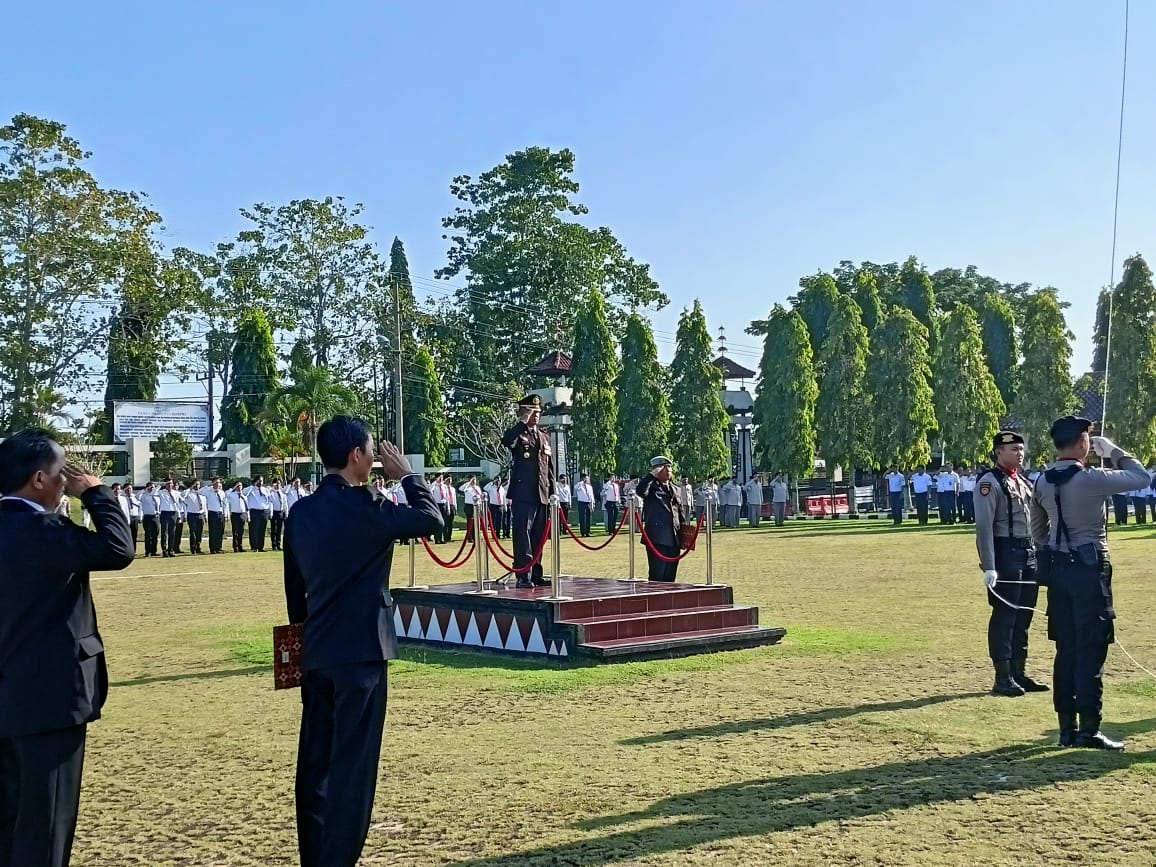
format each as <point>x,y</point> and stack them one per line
<point>555,364</point>
<point>732,369</point>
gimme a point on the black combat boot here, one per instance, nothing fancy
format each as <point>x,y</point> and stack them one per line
<point>1090,737</point>
<point>1005,684</point>
<point>1068,727</point>
<point>1029,685</point>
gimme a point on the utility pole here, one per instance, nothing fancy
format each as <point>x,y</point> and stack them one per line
<point>399,415</point>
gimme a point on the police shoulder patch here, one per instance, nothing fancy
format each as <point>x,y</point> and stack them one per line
<point>985,489</point>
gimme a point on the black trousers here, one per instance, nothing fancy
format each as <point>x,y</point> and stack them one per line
<point>584,511</point>
<point>216,532</point>
<point>342,716</point>
<point>564,508</point>
<point>921,507</point>
<point>1007,628</point>
<point>196,531</point>
<point>152,533</point>
<point>237,522</point>
<point>276,528</point>
<point>947,507</point>
<point>134,528</point>
<point>967,506</point>
<point>1140,507</point>
<point>896,499</point>
<point>169,539</point>
<point>40,797</point>
<point>611,510</point>
<point>1120,508</point>
<point>447,532</point>
<point>1080,622</point>
<point>659,569</point>
<point>529,523</point>
<point>258,524</point>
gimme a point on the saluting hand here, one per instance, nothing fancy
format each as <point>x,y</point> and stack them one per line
<point>77,481</point>
<point>393,462</point>
<point>1103,446</point>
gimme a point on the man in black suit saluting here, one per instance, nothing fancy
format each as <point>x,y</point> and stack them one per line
<point>338,551</point>
<point>53,679</point>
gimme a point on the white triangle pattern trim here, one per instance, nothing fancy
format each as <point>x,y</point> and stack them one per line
<point>493,635</point>
<point>535,644</point>
<point>398,626</point>
<point>553,649</point>
<point>514,639</point>
<point>414,630</point>
<point>472,636</point>
<point>562,648</point>
<point>453,633</point>
<point>434,633</point>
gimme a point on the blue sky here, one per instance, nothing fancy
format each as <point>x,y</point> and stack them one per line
<point>733,146</point>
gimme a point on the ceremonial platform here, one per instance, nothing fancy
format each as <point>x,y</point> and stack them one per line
<point>603,620</point>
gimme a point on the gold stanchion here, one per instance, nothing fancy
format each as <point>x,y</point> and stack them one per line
<point>631,506</point>
<point>413,585</point>
<point>556,553</point>
<point>481,558</point>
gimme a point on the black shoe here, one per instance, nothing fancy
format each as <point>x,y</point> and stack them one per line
<point>1005,684</point>
<point>1068,727</point>
<point>540,582</point>
<point>524,584</point>
<point>1029,685</point>
<point>1089,736</point>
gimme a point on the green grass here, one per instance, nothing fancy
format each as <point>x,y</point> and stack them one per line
<point>866,738</point>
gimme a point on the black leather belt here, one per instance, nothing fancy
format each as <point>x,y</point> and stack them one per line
<point>1015,542</point>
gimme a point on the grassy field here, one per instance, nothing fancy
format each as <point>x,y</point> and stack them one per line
<point>866,738</point>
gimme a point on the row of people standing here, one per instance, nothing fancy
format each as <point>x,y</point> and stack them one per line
<point>952,492</point>
<point>1142,501</point>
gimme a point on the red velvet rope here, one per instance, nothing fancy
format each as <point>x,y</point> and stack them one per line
<point>613,535</point>
<point>488,518</point>
<point>659,554</point>
<point>509,568</point>
<point>452,562</point>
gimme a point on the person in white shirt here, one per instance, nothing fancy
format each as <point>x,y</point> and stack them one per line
<point>131,502</point>
<point>280,511</point>
<point>498,501</point>
<point>444,501</point>
<point>584,497</point>
<point>169,500</point>
<point>732,498</point>
<point>292,494</point>
<point>611,494</point>
<point>779,494</point>
<point>947,488</point>
<point>967,496</point>
<point>564,495</point>
<point>754,494</point>
<point>396,494</point>
<point>471,493</point>
<point>686,496</point>
<point>896,482</point>
<point>217,504</point>
<point>1152,493</point>
<point>238,517</point>
<point>150,512</point>
<point>259,500</point>
<point>920,486</point>
<point>196,513</point>
<point>307,489</point>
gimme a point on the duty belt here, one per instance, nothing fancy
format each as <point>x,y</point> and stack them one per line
<point>1015,542</point>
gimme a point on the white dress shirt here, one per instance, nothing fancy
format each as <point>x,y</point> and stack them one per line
<point>584,493</point>
<point>563,493</point>
<point>237,503</point>
<point>217,501</point>
<point>496,494</point>
<point>259,498</point>
<point>920,483</point>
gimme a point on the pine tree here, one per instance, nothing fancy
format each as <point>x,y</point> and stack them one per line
<point>843,420</point>
<point>699,421</point>
<point>1045,377</point>
<point>425,413</point>
<point>815,302</point>
<point>253,379</point>
<point>916,292</point>
<point>400,283</point>
<point>1131,387</point>
<point>1100,333</point>
<point>594,370</point>
<point>784,411</point>
<point>644,406</point>
<point>1000,347</point>
<point>899,391</point>
<point>865,291</point>
<point>968,404</point>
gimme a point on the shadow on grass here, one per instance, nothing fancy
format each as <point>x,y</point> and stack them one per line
<point>737,727</point>
<point>194,675</point>
<point>855,528</point>
<point>766,806</point>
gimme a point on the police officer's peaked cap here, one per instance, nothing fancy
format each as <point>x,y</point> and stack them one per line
<point>660,461</point>
<point>531,401</point>
<point>1069,427</point>
<point>1006,438</point>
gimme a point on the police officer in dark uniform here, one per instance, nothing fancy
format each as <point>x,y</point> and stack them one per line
<point>662,518</point>
<point>531,486</point>
<point>1069,527</point>
<point>1004,541</point>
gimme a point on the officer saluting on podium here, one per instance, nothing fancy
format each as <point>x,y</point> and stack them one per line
<point>531,486</point>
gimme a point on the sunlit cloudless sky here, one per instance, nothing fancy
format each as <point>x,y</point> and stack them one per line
<point>734,146</point>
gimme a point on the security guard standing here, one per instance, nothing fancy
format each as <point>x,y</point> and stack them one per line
<point>1003,539</point>
<point>531,486</point>
<point>1070,528</point>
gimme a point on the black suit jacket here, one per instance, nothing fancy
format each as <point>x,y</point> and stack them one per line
<point>338,552</point>
<point>532,472</point>
<point>661,510</point>
<point>52,669</point>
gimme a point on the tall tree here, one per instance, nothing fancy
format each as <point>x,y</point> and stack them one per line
<point>594,370</point>
<point>425,412</point>
<point>66,246</point>
<point>1131,387</point>
<point>917,293</point>
<point>968,404</point>
<point>312,398</point>
<point>784,411</point>
<point>1000,346</point>
<point>1045,389</point>
<point>865,291</point>
<point>254,378</point>
<point>644,404</point>
<point>843,420</point>
<point>815,302</point>
<point>898,384</point>
<point>698,419</point>
<point>1100,332</point>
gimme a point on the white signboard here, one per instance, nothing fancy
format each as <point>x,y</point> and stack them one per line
<point>150,421</point>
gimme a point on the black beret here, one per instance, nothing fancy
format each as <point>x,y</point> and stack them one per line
<point>1006,438</point>
<point>1064,429</point>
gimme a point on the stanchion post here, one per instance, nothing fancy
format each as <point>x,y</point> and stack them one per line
<point>413,585</point>
<point>481,558</point>
<point>709,541</point>
<point>631,501</point>
<point>555,552</point>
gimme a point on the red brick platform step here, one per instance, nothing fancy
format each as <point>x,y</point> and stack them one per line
<point>604,620</point>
